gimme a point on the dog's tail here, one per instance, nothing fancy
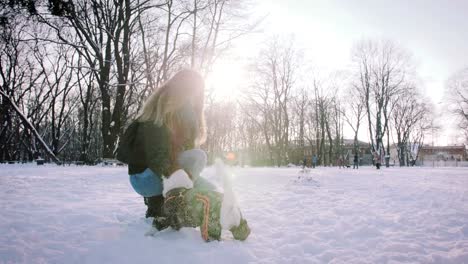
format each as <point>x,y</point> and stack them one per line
<point>230,213</point>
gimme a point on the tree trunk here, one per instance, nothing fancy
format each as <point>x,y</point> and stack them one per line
<point>29,126</point>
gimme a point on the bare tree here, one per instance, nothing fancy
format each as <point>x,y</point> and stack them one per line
<point>87,110</point>
<point>96,58</point>
<point>275,73</point>
<point>221,119</point>
<point>104,31</point>
<point>457,93</point>
<point>319,116</point>
<point>382,68</point>
<point>300,108</point>
<point>409,111</point>
<point>354,113</point>
<point>215,25</point>
<point>419,132</point>
<point>55,62</point>
<point>20,81</point>
<point>325,119</point>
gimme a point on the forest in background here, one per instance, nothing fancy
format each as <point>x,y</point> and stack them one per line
<point>74,73</point>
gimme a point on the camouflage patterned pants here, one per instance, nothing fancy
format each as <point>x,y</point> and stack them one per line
<point>195,208</point>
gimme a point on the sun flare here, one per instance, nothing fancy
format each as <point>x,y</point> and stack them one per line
<point>225,80</point>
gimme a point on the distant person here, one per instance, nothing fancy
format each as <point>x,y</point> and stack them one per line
<point>304,162</point>
<point>340,162</point>
<point>377,160</point>
<point>314,161</point>
<point>346,161</point>
<point>356,161</point>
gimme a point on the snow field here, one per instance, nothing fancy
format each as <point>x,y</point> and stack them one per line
<point>52,214</point>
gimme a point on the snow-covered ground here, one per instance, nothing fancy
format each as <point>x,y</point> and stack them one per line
<point>51,214</point>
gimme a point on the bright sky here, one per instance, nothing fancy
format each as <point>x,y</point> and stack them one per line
<point>436,32</point>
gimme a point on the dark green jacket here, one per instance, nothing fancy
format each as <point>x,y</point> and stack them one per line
<point>146,145</point>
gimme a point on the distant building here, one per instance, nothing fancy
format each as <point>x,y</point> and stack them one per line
<point>412,151</point>
<point>442,153</point>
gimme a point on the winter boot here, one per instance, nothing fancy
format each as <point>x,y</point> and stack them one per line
<point>149,211</point>
<point>155,209</point>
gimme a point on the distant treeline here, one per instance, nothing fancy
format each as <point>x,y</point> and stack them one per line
<point>74,73</point>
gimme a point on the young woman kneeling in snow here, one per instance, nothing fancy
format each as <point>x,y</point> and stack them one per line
<point>163,139</point>
<point>161,143</point>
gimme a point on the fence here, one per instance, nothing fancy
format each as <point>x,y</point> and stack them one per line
<point>443,163</point>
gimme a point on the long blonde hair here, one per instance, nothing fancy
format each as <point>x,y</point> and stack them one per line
<point>166,105</point>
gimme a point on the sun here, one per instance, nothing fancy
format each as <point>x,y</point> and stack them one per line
<point>225,80</point>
